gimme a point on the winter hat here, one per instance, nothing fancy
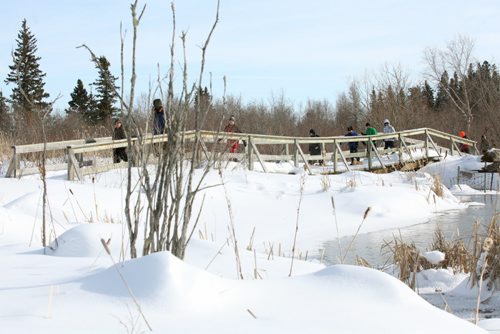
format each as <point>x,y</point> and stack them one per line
<point>232,118</point>
<point>386,121</point>
<point>462,134</point>
<point>117,121</point>
<point>312,132</point>
<point>157,103</point>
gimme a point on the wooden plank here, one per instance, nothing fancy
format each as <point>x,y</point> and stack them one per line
<point>447,136</point>
<point>55,146</point>
<point>256,151</point>
<point>407,149</point>
<point>342,156</point>
<point>250,153</point>
<point>73,166</point>
<point>379,158</point>
<point>455,146</point>
<point>433,145</point>
<point>306,164</point>
<point>204,149</point>
<point>336,148</point>
<point>295,154</point>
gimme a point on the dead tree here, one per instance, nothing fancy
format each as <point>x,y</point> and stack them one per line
<point>455,59</point>
<point>171,192</point>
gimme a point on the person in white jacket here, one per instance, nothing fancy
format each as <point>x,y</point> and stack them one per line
<point>388,128</point>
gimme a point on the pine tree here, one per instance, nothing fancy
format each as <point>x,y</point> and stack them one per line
<point>81,103</point>
<point>202,99</point>
<point>428,94</point>
<point>106,92</point>
<point>29,94</point>
<point>442,97</point>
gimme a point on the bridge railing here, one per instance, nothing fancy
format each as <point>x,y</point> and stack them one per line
<point>83,157</point>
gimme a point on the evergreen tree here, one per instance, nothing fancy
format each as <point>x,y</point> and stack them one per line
<point>81,103</point>
<point>28,95</point>
<point>106,92</point>
<point>202,99</point>
<point>428,94</point>
<point>442,98</point>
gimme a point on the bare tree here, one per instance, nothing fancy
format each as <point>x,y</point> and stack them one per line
<point>455,59</point>
<point>171,192</point>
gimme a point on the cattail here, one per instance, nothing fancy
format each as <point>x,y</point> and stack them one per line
<point>366,212</point>
<point>487,244</point>
<point>106,246</point>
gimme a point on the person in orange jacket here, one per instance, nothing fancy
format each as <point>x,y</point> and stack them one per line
<point>464,147</point>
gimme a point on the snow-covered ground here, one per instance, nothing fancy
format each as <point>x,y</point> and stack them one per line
<point>74,286</point>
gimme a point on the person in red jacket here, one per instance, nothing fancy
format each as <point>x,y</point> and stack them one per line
<point>231,127</point>
<point>464,147</point>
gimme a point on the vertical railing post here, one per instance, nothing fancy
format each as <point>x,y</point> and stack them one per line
<point>71,169</point>
<point>295,153</point>
<point>335,156</point>
<point>250,153</point>
<point>426,144</point>
<point>400,148</point>
<point>369,145</point>
<point>452,144</point>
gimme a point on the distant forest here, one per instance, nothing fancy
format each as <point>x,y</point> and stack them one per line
<point>456,94</point>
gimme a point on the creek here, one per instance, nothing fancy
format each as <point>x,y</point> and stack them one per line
<point>454,224</point>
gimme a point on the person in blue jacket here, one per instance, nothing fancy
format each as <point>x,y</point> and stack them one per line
<point>159,117</point>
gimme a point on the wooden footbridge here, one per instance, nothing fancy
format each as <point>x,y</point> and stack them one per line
<point>91,156</point>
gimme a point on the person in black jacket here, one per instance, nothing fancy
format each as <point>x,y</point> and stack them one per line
<point>314,148</point>
<point>119,153</point>
<point>353,145</point>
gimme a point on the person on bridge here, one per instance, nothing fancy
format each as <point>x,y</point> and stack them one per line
<point>388,128</point>
<point>231,127</point>
<point>370,131</point>
<point>465,148</point>
<point>353,145</point>
<point>314,148</point>
<point>119,153</point>
<point>159,118</point>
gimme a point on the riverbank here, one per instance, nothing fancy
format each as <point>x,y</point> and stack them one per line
<point>76,280</point>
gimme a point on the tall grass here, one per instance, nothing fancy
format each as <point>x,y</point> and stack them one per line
<point>5,146</point>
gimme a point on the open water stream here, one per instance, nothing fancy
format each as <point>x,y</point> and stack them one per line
<point>453,224</point>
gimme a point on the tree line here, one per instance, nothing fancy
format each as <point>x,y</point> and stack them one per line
<point>456,94</point>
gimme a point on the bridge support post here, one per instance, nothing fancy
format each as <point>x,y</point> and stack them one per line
<point>335,156</point>
<point>400,149</point>
<point>426,145</point>
<point>295,153</point>
<point>73,165</point>
<point>369,147</point>
<point>250,153</point>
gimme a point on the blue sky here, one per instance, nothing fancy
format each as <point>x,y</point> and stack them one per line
<point>265,48</point>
